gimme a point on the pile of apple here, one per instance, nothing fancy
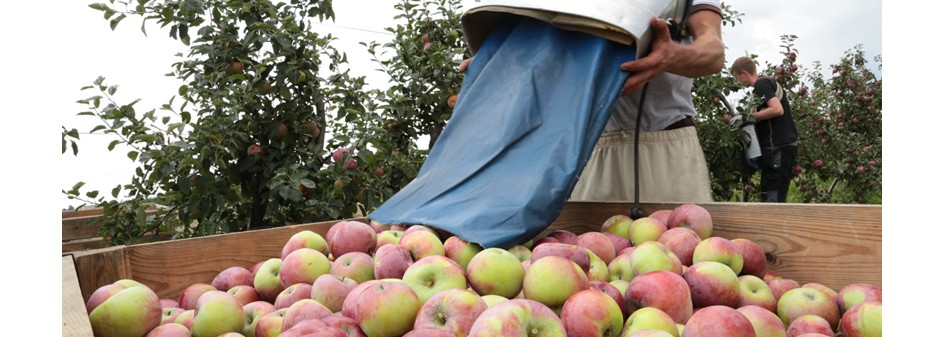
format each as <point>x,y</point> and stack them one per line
<point>661,275</point>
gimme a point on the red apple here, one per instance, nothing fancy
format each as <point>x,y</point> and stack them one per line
<point>434,274</point>
<point>302,310</point>
<point>331,290</point>
<point>865,319</point>
<point>305,239</point>
<point>754,260</point>
<point>454,310</point>
<point>618,241</point>
<point>712,283</point>
<point>720,250</point>
<point>809,324</point>
<point>169,330</point>
<point>612,291</point>
<point>550,280</point>
<point>232,276</point>
<point>807,301</point>
<point>254,149</point>
<point>303,265</point>
<point>495,271</point>
<point>517,317</point>
<point>383,308</point>
<point>189,296</point>
<point>564,236</point>
<point>460,250</point>
<point>291,294</point>
<point>245,294</point>
<point>661,289</point>
<point>569,251</point>
<point>422,243</point>
<point>598,243</point>
<point>691,216</point>
<point>754,291</point>
<point>358,266</point>
<point>780,285</point>
<point>592,313</point>
<point>391,261</point>
<point>681,241</point>
<point>351,236</point>
<point>718,320</point>
<point>618,224</point>
<point>765,322</point>
<point>855,293</point>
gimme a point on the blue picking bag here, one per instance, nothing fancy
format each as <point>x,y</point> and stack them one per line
<point>534,101</point>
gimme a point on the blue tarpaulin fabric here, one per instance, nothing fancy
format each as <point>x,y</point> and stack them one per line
<point>533,103</point>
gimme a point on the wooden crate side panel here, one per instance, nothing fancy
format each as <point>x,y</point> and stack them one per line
<point>75,320</point>
<point>169,267</point>
<point>95,268</point>
<point>843,245</point>
<point>79,228</point>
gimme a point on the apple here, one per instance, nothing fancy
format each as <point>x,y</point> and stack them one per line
<point>254,149</point>
<point>599,244</point>
<point>104,292</point>
<point>387,237</point>
<point>681,241</point>
<point>430,332</point>
<point>451,101</point>
<point>718,320</point>
<point>305,239</point>
<point>611,291</point>
<point>231,277</point>
<point>564,236</point>
<point>754,291</point>
<point>168,303</point>
<point>809,324</point>
<point>493,299</point>
<point>650,318</point>
<point>598,270</point>
<point>618,224</point>
<point>781,285</point>
<point>550,280</point>
<point>620,267</point>
<point>347,324</point>
<point>331,290</point>
<point>244,294</point>
<point>652,255</point>
<point>645,229</point>
<point>270,325</point>
<point>422,243</point>
<point>267,280</point>
<point>569,251</point>
<point>132,311</point>
<point>542,241</point>
<point>312,129</point>
<point>351,164</point>
<point>833,294</point>
<point>864,319</point>
<point>651,333</point>
<point>302,310</point>
<point>168,315</point>
<point>358,266</point>
<point>592,313</point>
<point>807,301</point>
<point>251,313</point>
<point>518,317</point>
<point>234,67</point>
<point>337,155</point>
<point>352,236</point>
<point>617,241</point>
<point>720,250</point>
<point>521,252</point>
<point>855,293</point>
<point>754,260</point>
<point>313,328</point>
<point>691,216</point>
<point>414,228</point>
<point>217,312</point>
<point>186,318</point>
<point>383,308</point>
<point>188,297</point>
<point>391,261</point>
<point>292,294</point>
<point>303,265</point>
<point>661,214</point>
<point>661,289</point>
<point>712,283</point>
<point>169,330</point>
<point>495,271</point>
<point>433,274</point>
<point>453,309</point>
<point>280,131</point>
<point>460,250</point>
<point>765,322</point>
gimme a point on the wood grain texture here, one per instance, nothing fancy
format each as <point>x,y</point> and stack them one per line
<point>99,267</point>
<point>75,320</point>
<point>826,243</point>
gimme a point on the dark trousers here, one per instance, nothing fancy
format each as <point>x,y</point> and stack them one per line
<point>776,179</point>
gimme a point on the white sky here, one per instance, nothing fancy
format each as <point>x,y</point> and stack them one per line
<point>52,48</point>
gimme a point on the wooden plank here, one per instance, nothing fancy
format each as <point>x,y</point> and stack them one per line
<point>826,243</point>
<point>83,244</point>
<point>82,212</point>
<point>98,267</point>
<point>75,319</point>
<point>79,228</point>
<point>169,267</point>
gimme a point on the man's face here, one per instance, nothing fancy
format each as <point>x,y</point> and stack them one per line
<point>743,78</point>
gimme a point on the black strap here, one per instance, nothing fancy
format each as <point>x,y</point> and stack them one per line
<point>636,211</point>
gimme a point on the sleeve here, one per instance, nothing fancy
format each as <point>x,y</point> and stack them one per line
<point>765,89</point>
<point>712,5</point>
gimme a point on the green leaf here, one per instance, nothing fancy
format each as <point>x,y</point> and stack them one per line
<point>133,155</point>
<point>114,22</point>
<point>115,191</point>
<point>111,146</point>
<point>92,194</point>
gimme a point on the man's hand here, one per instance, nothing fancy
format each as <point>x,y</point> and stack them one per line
<point>464,65</point>
<point>662,55</point>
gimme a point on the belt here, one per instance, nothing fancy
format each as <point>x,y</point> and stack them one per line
<point>680,124</point>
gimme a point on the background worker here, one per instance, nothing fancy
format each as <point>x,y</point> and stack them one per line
<point>775,127</point>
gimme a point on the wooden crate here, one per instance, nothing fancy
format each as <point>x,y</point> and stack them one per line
<point>830,244</point>
<point>79,232</point>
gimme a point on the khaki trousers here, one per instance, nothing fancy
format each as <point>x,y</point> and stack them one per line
<point>672,169</point>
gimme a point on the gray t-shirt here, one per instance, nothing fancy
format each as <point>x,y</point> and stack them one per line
<point>668,98</point>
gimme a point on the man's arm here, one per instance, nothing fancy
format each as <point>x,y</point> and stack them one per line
<point>772,110</point>
<point>704,56</point>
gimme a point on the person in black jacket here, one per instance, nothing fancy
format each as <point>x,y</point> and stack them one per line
<point>775,127</point>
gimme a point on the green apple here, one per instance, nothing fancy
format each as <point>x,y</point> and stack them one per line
<point>433,274</point>
<point>303,265</point>
<point>653,255</point>
<point>267,280</point>
<point>720,250</point>
<point>217,313</point>
<point>251,313</point>
<point>383,308</point>
<point>807,301</point>
<point>422,243</point>
<point>598,268</point>
<point>305,239</point>
<point>618,224</point>
<point>358,266</point>
<point>132,311</point>
<point>495,271</point>
<point>550,280</point>
<point>650,318</point>
<point>754,291</point>
<point>460,250</point>
<point>522,252</point>
<point>645,229</point>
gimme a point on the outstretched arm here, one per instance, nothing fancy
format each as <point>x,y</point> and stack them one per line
<point>704,56</point>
